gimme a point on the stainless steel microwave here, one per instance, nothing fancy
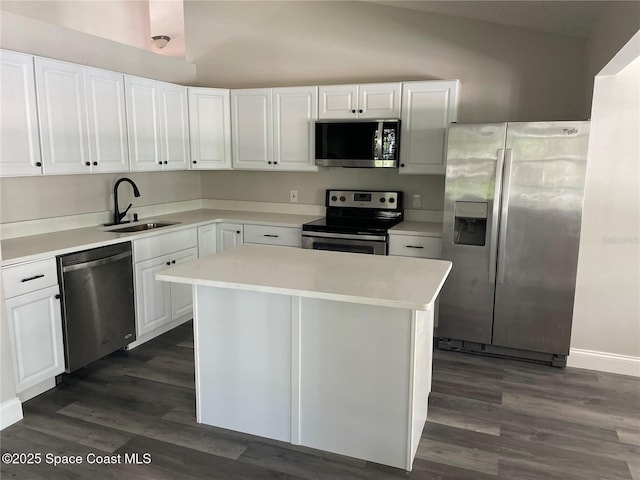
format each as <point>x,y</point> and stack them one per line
<point>357,143</point>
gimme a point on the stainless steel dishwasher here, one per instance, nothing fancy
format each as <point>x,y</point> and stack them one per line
<point>98,310</point>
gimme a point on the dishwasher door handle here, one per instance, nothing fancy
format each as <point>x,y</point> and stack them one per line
<point>96,263</point>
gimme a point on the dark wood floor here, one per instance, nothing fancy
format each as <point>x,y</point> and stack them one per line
<point>488,419</point>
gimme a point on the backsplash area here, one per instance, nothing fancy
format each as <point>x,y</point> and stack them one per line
<point>275,186</point>
<point>32,205</point>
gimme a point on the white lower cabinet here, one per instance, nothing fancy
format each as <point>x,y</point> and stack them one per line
<point>161,306</point>
<point>35,324</point>
<point>206,240</point>
<point>270,235</point>
<point>228,235</point>
<point>415,246</point>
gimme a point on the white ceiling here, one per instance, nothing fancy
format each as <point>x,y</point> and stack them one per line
<point>565,17</point>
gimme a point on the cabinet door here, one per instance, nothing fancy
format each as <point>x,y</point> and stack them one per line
<point>206,240</point>
<point>427,110</point>
<point>338,101</point>
<point>174,126</point>
<point>106,120</point>
<point>209,128</point>
<point>228,236</point>
<point>62,116</point>
<point>142,125</point>
<point>19,135</point>
<point>35,332</point>
<point>379,100</point>
<point>252,132</point>
<point>153,298</point>
<point>182,295</point>
<point>294,111</point>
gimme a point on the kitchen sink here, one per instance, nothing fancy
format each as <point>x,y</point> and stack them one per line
<point>140,227</point>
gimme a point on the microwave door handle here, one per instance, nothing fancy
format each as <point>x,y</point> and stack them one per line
<point>377,142</point>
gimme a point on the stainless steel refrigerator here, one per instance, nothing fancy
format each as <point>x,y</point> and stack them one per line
<point>512,213</point>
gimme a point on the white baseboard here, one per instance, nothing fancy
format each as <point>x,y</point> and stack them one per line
<point>10,412</point>
<point>604,362</point>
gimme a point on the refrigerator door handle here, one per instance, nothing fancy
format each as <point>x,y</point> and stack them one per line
<point>494,216</point>
<point>504,215</point>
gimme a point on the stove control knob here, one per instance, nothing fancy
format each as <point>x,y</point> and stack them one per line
<point>382,200</point>
<point>392,200</point>
<point>342,199</point>
<point>334,198</point>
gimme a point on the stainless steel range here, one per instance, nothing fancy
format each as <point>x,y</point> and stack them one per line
<point>357,221</point>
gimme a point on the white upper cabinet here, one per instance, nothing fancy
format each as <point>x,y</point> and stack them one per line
<point>142,123</point>
<point>295,110</point>
<point>427,110</point>
<point>209,128</point>
<point>107,125</point>
<point>157,125</point>
<point>251,135</point>
<point>174,126</point>
<point>272,129</point>
<point>82,118</point>
<point>19,136</point>
<point>371,100</point>
<point>63,117</point>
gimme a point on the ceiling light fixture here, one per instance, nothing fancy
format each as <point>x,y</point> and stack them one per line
<point>160,41</point>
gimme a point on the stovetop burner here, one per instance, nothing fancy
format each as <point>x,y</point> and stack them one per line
<point>359,212</point>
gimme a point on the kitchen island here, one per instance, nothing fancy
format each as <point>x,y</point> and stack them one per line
<point>329,350</point>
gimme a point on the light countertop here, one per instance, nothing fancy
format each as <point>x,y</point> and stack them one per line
<point>422,229</point>
<point>36,247</point>
<point>398,282</point>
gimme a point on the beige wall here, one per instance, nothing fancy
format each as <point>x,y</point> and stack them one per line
<point>275,186</point>
<point>30,198</point>
<point>607,307</point>
<point>24,34</point>
<point>507,73</point>
<point>123,21</point>
<point>615,26</point>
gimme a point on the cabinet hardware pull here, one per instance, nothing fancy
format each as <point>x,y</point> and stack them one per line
<point>35,277</point>
<point>414,246</point>
<point>353,111</point>
<point>269,235</point>
<point>88,164</point>
<point>173,261</point>
<point>165,162</point>
<point>57,297</point>
<point>275,163</point>
<point>95,163</point>
<point>402,165</point>
<point>38,164</point>
<point>238,232</point>
<point>168,263</point>
<point>360,111</point>
<point>195,161</point>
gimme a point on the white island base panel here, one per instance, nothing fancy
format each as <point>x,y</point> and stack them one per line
<point>347,378</point>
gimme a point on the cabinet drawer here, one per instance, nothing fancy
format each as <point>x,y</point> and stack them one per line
<point>29,277</point>
<point>267,235</point>
<point>164,244</point>
<point>415,246</point>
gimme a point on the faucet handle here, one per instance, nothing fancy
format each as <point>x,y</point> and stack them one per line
<point>124,214</point>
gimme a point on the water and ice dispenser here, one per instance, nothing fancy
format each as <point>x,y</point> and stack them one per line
<point>470,226</point>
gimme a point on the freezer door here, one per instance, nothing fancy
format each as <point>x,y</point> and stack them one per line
<point>466,301</point>
<point>544,175</point>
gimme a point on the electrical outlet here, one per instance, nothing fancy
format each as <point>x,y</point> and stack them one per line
<point>293,196</point>
<point>416,201</point>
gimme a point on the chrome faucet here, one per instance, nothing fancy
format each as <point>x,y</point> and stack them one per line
<point>117,216</point>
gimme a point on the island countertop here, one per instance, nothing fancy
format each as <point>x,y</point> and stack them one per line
<point>398,282</point>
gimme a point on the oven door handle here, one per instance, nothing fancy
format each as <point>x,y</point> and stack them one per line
<point>345,236</point>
